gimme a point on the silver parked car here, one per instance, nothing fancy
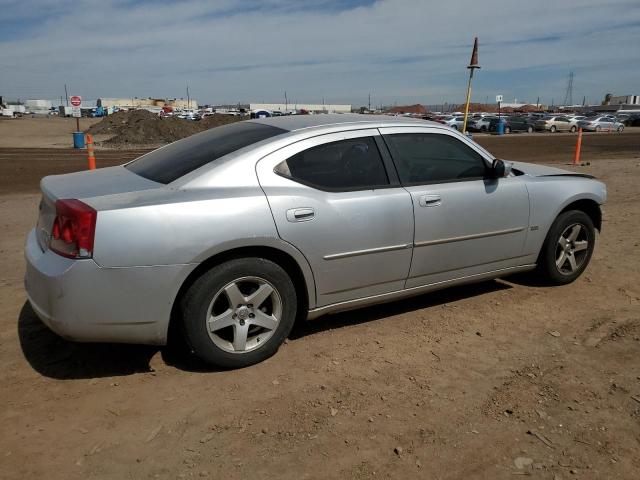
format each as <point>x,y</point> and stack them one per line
<point>557,123</point>
<point>235,233</point>
<point>601,124</point>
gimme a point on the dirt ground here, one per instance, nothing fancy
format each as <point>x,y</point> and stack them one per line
<point>486,381</point>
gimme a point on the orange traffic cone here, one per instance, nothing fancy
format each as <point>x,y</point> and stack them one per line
<point>92,158</point>
<point>576,156</point>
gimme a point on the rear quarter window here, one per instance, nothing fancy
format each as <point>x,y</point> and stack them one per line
<point>177,159</point>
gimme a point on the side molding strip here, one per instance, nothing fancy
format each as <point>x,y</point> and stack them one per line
<point>469,237</point>
<point>357,253</point>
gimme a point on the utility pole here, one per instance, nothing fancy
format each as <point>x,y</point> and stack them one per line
<point>66,95</point>
<point>472,66</point>
<point>188,97</point>
<point>286,102</point>
<point>538,102</point>
<point>369,101</point>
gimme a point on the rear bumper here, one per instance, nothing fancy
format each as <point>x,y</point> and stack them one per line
<point>81,301</point>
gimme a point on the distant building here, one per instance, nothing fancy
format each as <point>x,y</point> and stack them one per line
<point>40,107</point>
<point>620,104</point>
<point>625,100</point>
<point>295,107</point>
<point>416,109</point>
<point>146,103</point>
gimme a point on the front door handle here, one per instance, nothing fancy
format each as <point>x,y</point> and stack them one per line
<point>300,214</point>
<point>430,200</point>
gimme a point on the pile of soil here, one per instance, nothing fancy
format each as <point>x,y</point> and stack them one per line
<point>140,127</point>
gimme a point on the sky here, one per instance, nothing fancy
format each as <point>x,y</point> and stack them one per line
<point>340,51</point>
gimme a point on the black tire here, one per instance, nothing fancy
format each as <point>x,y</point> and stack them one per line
<point>195,308</point>
<point>620,129</point>
<point>507,129</point>
<point>553,129</point>
<point>529,129</point>
<point>573,129</point>
<point>547,267</point>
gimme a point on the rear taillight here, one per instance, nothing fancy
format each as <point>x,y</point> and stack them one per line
<point>73,229</point>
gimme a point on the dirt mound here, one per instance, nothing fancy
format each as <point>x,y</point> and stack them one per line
<point>140,127</point>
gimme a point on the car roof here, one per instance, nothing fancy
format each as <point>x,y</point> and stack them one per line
<point>294,123</point>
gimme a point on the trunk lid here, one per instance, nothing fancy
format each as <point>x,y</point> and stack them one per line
<point>82,185</point>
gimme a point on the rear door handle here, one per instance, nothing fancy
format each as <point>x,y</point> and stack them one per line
<point>430,200</point>
<point>300,214</point>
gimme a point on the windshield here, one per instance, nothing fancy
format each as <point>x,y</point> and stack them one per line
<point>169,163</point>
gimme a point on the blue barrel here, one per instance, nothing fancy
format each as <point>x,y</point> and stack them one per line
<point>78,139</point>
<point>501,123</point>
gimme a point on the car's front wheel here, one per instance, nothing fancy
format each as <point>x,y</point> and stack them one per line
<point>239,312</point>
<point>568,248</point>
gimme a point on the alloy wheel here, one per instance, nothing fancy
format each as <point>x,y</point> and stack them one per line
<point>244,314</point>
<point>572,248</point>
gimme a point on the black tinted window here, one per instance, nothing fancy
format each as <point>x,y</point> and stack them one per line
<point>343,165</point>
<point>177,159</point>
<point>433,158</point>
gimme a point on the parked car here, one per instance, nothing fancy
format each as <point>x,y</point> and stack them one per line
<point>513,124</point>
<point>600,124</point>
<point>632,120</point>
<point>556,124</point>
<point>233,234</point>
<point>455,122</point>
<point>480,124</point>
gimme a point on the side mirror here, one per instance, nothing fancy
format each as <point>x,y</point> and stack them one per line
<point>497,168</point>
<point>500,169</point>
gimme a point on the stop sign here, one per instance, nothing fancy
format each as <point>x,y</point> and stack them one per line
<point>76,101</point>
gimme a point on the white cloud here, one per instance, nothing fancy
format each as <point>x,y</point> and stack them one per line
<point>400,50</point>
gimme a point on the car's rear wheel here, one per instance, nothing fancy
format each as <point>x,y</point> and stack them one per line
<point>507,129</point>
<point>568,248</point>
<point>239,312</point>
<point>573,129</point>
<point>620,128</point>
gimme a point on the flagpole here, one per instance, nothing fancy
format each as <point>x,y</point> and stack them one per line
<point>472,66</point>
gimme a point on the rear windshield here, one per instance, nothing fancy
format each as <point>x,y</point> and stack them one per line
<point>177,159</point>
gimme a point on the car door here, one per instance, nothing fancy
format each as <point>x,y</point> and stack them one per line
<point>337,200</point>
<point>563,124</point>
<point>465,223</point>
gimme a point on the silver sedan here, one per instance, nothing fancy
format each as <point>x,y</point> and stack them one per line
<point>235,233</point>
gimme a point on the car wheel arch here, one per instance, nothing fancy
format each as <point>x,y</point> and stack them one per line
<point>588,206</point>
<point>305,286</point>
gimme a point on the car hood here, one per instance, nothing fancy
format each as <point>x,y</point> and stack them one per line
<point>535,170</point>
